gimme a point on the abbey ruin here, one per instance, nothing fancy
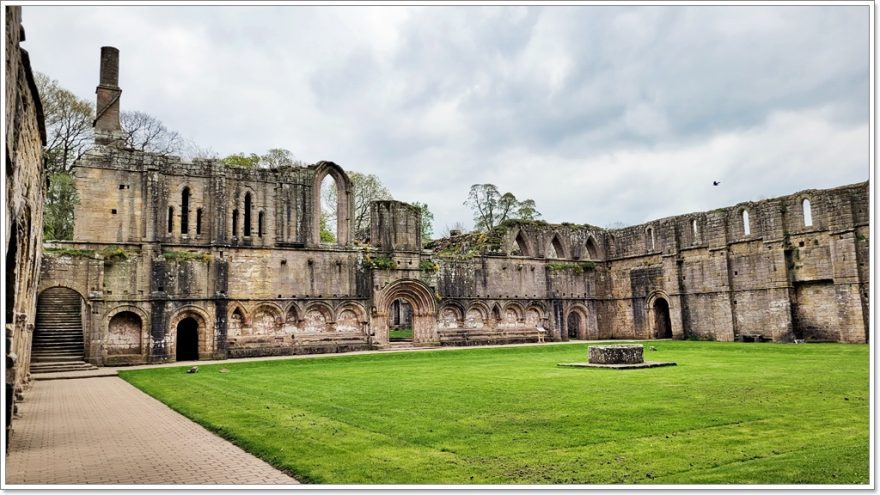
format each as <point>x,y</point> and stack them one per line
<point>183,261</point>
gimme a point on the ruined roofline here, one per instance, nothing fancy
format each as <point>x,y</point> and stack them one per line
<point>727,210</point>
<point>512,225</point>
<point>129,159</point>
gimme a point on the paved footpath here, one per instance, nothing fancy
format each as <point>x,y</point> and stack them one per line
<point>104,431</point>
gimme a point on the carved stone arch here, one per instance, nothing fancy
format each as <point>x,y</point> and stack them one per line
<point>534,316</point>
<point>350,318</point>
<point>357,308</point>
<point>512,315</point>
<point>57,296</point>
<point>660,315</point>
<point>237,319</point>
<point>496,312</point>
<point>421,299</point>
<point>477,315</point>
<point>482,308</point>
<point>293,313</point>
<point>344,203</point>
<point>237,306</point>
<point>521,244</point>
<point>591,249</point>
<point>451,315</point>
<point>556,246</point>
<point>204,331</point>
<point>267,319</point>
<point>80,292</point>
<point>318,317</point>
<point>577,323</point>
<point>121,337</point>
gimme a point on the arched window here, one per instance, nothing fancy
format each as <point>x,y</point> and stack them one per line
<point>260,225</point>
<point>557,249</point>
<point>696,229</point>
<point>592,252</point>
<point>650,238</point>
<point>198,221</point>
<point>747,229</point>
<point>808,213</point>
<point>184,211</point>
<point>234,223</point>
<point>521,245</point>
<point>170,219</point>
<point>329,196</point>
<point>247,215</point>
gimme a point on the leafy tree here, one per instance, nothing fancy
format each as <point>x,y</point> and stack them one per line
<point>327,235</point>
<point>427,221</point>
<point>144,132</point>
<point>241,160</point>
<point>366,188</point>
<point>490,207</point>
<point>273,158</point>
<point>68,122</point>
<point>61,199</point>
<point>278,157</point>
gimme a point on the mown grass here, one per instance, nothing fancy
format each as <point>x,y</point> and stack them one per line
<point>728,413</point>
<point>400,334</point>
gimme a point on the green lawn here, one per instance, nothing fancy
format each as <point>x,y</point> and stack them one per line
<point>728,413</point>
<point>400,334</point>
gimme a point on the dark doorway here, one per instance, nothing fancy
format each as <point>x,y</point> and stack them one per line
<point>188,340</point>
<point>663,323</point>
<point>400,321</point>
<point>574,325</point>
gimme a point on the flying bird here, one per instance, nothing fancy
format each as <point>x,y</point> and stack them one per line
<point>715,182</point>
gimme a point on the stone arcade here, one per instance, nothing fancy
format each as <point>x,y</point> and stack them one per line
<point>181,261</point>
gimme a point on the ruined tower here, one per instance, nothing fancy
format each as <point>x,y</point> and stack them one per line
<point>108,131</point>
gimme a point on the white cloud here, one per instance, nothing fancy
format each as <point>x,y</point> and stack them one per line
<point>598,113</point>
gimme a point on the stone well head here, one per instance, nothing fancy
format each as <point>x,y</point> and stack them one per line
<point>616,354</point>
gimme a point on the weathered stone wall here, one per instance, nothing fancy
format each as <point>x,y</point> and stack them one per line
<point>167,247</point>
<point>23,221</point>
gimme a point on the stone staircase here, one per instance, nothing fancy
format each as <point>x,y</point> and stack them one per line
<point>58,339</point>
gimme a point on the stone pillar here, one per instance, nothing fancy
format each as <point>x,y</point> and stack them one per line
<point>108,130</point>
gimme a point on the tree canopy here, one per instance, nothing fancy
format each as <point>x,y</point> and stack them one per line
<point>490,207</point>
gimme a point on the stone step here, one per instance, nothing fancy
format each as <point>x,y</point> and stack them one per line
<point>57,358</point>
<point>55,367</point>
<point>59,337</point>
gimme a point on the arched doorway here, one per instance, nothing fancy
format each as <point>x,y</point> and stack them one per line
<point>187,341</point>
<point>574,325</point>
<point>422,303</point>
<point>400,321</point>
<point>662,321</point>
<point>58,336</point>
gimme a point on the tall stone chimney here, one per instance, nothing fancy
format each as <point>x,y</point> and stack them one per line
<point>108,131</point>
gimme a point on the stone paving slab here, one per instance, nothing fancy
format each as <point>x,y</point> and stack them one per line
<point>104,431</point>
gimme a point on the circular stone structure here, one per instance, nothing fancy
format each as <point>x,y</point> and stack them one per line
<point>616,354</point>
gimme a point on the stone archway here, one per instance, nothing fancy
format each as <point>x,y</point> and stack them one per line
<point>58,334</point>
<point>179,335</point>
<point>421,300</point>
<point>186,341</point>
<point>575,326</point>
<point>662,328</point>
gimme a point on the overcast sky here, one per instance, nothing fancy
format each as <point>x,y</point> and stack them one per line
<point>599,114</point>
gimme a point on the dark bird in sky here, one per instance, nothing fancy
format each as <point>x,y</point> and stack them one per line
<point>715,182</point>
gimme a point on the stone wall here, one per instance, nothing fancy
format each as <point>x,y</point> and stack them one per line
<point>23,221</point>
<point>203,259</point>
